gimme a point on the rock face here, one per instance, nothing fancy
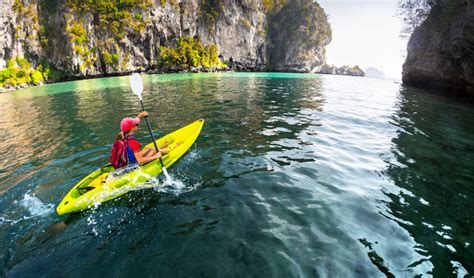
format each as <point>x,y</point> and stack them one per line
<point>441,49</point>
<point>297,36</point>
<point>81,39</point>
<point>78,38</point>
<point>6,29</point>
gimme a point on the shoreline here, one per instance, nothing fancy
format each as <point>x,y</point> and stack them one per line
<point>124,73</point>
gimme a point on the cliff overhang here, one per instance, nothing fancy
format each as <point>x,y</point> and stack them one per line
<point>440,52</point>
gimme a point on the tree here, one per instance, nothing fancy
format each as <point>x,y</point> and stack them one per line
<point>414,12</point>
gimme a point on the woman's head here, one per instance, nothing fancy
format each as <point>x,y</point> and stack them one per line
<point>129,125</point>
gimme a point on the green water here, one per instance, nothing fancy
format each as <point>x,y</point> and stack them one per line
<point>293,175</point>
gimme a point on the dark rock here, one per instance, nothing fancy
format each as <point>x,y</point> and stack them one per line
<point>327,69</point>
<point>344,70</point>
<point>298,34</point>
<point>441,50</point>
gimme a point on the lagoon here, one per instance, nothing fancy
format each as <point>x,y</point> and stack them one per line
<point>293,175</point>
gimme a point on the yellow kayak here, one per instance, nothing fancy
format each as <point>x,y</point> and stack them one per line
<point>106,183</point>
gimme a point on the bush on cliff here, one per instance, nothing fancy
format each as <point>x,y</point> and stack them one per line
<point>19,72</point>
<point>36,77</point>
<point>114,16</point>
<point>190,53</point>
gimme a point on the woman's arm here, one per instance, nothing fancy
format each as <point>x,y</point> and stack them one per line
<point>143,156</point>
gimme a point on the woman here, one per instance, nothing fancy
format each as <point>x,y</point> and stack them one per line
<point>129,127</point>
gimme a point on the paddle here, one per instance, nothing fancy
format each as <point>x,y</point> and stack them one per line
<point>137,87</point>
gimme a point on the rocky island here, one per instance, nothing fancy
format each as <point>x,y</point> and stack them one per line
<point>51,40</point>
<point>374,73</point>
<point>344,70</point>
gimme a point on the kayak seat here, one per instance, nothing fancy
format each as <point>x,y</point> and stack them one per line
<point>86,189</point>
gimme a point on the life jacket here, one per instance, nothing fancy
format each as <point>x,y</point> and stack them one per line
<point>119,157</point>
<point>131,155</point>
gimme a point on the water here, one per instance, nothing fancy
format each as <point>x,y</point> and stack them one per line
<point>293,175</point>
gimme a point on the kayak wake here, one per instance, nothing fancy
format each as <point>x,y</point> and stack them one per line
<point>35,206</point>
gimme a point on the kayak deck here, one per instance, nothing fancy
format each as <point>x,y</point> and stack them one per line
<point>106,183</point>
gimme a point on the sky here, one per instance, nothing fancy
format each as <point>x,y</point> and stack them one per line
<point>367,34</point>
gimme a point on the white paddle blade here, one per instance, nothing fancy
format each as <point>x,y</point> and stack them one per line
<point>137,84</point>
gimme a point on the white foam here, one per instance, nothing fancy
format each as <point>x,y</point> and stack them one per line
<point>122,171</point>
<point>165,172</point>
<point>174,186</point>
<point>192,156</point>
<point>35,206</point>
<point>459,269</point>
<point>4,220</point>
<point>168,184</point>
<point>173,182</point>
<point>163,183</point>
<point>91,221</point>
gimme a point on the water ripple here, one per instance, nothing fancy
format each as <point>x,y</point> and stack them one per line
<point>293,175</point>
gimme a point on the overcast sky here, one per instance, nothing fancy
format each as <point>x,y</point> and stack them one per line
<point>365,33</point>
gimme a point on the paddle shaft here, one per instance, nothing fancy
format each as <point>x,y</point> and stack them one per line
<point>151,133</point>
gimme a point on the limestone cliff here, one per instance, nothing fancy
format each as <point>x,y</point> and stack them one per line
<point>298,34</point>
<point>441,49</point>
<point>77,38</point>
<point>80,38</point>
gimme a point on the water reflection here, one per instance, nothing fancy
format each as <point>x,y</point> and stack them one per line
<point>296,175</point>
<point>432,169</point>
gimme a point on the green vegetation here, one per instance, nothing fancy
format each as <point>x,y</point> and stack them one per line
<point>78,33</point>
<point>211,9</point>
<point>28,27</point>
<point>273,5</point>
<point>173,3</point>
<point>116,18</point>
<point>49,74</point>
<point>114,15</point>
<point>115,58</point>
<point>18,6</point>
<point>47,25</point>
<point>110,59</point>
<point>36,77</point>
<point>80,41</point>
<point>19,72</point>
<point>107,58</point>
<point>190,53</point>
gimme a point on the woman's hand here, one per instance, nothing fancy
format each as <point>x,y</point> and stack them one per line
<point>142,114</point>
<point>156,155</point>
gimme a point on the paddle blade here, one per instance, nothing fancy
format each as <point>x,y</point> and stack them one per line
<point>137,84</point>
